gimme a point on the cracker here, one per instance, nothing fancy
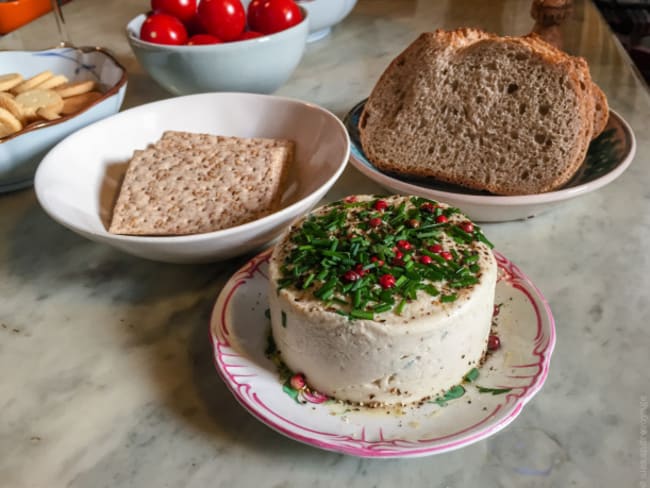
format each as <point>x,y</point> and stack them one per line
<point>10,80</point>
<point>33,100</point>
<point>53,82</point>
<point>74,104</point>
<point>9,124</point>
<point>48,114</point>
<point>194,183</point>
<point>9,103</point>
<point>76,88</point>
<point>32,82</point>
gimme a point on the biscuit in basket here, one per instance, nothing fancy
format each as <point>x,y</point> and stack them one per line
<point>194,183</point>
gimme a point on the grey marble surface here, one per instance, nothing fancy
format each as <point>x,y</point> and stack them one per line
<point>106,371</point>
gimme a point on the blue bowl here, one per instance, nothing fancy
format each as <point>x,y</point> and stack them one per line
<point>20,153</point>
<point>259,65</point>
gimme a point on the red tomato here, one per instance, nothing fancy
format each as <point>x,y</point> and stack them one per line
<point>224,19</point>
<point>194,26</point>
<point>183,10</point>
<point>270,16</point>
<point>163,29</point>
<point>198,39</point>
<point>249,35</point>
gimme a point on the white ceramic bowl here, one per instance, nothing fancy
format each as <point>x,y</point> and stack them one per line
<point>77,181</point>
<point>20,153</point>
<point>323,14</point>
<point>259,65</point>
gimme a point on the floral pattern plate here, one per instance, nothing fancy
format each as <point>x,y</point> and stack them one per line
<point>508,379</point>
<point>608,156</point>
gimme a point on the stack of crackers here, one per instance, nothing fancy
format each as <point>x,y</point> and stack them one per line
<point>42,97</point>
<point>188,183</point>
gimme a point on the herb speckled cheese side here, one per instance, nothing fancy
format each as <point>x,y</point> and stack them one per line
<point>382,300</point>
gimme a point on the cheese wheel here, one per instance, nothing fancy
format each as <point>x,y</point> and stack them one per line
<point>382,300</point>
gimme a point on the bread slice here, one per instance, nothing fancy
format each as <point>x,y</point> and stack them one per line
<point>592,91</point>
<point>193,183</point>
<point>502,114</point>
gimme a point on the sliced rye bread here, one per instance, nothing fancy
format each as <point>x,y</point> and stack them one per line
<point>506,115</point>
<point>598,98</point>
<point>193,183</point>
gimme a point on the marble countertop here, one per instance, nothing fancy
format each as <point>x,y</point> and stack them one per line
<point>107,376</point>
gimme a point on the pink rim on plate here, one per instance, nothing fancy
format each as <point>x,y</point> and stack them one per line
<point>239,332</point>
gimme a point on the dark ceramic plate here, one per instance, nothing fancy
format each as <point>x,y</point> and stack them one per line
<point>608,156</point>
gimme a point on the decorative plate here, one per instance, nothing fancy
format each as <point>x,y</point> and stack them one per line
<point>497,392</point>
<point>608,156</point>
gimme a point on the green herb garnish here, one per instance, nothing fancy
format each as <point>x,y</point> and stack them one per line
<point>343,259</point>
<point>494,391</point>
<point>471,375</point>
<point>451,394</point>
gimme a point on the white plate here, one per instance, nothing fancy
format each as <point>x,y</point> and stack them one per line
<point>240,331</point>
<point>609,155</point>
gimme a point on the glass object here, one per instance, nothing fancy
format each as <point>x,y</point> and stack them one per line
<point>64,38</point>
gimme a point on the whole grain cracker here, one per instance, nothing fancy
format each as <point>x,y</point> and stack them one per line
<point>193,183</point>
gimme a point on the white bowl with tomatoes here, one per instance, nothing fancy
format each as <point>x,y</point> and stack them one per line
<point>190,46</point>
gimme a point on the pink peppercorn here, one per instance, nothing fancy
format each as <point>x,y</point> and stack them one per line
<point>494,342</point>
<point>426,259</point>
<point>404,245</point>
<point>446,255</point>
<point>387,281</point>
<point>441,219</point>
<point>351,276</point>
<point>427,207</point>
<point>467,227</point>
<point>435,248</point>
<point>375,222</point>
<point>381,205</point>
<point>297,381</point>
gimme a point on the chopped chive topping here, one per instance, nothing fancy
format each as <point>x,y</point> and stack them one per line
<point>284,319</point>
<point>451,394</point>
<point>366,257</point>
<point>471,375</point>
<point>494,391</point>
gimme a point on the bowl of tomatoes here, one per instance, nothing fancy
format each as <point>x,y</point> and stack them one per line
<point>219,45</point>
